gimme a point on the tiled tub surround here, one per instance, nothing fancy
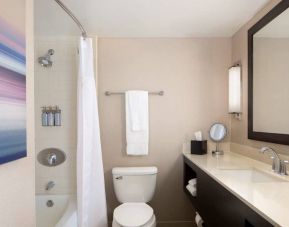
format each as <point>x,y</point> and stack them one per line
<point>268,198</point>
<point>57,86</point>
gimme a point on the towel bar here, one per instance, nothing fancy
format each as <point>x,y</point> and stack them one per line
<point>109,93</point>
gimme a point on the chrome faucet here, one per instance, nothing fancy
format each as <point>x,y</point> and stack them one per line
<point>50,185</point>
<point>278,165</point>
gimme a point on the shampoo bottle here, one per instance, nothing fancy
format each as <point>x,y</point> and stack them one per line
<point>57,117</point>
<point>50,117</point>
<point>44,116</point>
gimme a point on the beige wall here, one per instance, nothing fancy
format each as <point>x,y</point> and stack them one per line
<point>57,86</point>
<point>17,206</point>
<point>193,74</point>
<point>239,128</point>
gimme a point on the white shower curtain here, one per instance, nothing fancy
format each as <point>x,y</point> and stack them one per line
<point>91,200</point>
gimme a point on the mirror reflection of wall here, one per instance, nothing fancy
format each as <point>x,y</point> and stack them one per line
<point>271,76</point>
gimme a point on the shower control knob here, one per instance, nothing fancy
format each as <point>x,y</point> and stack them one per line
<point>52,158</point>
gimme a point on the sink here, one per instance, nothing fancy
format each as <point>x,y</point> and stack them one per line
<point>250,175</point>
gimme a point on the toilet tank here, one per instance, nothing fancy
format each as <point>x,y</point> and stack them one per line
<point>134,184</point>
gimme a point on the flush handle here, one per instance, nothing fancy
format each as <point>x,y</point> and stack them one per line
<point>119,178</point>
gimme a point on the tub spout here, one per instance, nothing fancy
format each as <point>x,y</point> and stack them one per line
<point>50,185</point>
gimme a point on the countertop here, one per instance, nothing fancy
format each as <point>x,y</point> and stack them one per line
<point>269,199</point>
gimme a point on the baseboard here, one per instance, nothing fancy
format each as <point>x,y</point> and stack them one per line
<point>176,224</point>
<point>171,224</point>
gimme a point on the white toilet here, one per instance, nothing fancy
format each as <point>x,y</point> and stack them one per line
<point>134,187</point>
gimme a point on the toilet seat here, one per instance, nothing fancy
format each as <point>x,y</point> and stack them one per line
<point>133,214</point>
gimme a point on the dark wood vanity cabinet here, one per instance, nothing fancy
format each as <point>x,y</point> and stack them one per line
<point>217,206</point>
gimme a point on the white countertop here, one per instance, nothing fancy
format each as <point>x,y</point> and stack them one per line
<point>269,199</point>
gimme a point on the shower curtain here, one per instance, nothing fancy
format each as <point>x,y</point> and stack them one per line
<point>91,200</point>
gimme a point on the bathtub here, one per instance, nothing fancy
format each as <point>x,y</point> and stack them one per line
<point>56,211</point>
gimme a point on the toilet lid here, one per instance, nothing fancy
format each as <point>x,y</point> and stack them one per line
<point>133,214</point>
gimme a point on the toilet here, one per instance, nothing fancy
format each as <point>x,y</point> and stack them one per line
<point>134,187</point>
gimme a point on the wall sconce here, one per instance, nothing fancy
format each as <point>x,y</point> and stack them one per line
<point>235,91</point>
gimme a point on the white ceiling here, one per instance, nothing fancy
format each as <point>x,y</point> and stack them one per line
<point>147,18</point>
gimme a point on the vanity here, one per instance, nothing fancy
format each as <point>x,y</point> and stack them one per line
<point>231,190</point>
<point>236,191</point>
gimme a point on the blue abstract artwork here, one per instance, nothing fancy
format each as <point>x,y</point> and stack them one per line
<point>12,93</point>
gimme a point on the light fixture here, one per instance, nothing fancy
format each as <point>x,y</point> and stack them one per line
<point>235,90</point>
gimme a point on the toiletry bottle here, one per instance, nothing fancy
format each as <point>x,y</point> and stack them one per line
<point>44,116</point>
<point>57,116</point>
<point>50,116</point>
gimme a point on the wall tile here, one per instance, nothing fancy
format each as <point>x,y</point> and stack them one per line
<point>57,86</point>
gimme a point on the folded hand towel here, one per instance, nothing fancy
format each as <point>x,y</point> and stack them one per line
<point>199,220</point>
<point>137,120</point>
<point>193,182</point>
<point>192,190</point>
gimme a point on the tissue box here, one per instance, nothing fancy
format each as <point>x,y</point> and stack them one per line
<point>198,147</point>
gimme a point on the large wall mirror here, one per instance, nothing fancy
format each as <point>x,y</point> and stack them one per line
<point>268,71</point>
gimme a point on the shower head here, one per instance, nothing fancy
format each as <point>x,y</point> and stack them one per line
<point>45,60</point>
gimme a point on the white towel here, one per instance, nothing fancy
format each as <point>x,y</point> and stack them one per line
<point>192,190</point>
<point>137,122</point>
<point>199,220</point>
<point>193,182</point>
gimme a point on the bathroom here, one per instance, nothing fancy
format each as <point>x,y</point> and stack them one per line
<point>192,64</point>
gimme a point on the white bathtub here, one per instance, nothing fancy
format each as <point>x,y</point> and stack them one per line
<point>62,214</point>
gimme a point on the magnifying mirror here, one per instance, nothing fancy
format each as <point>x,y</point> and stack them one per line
<point>217,133</point>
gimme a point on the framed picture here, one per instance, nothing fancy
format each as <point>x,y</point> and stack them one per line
<point>12,85</point>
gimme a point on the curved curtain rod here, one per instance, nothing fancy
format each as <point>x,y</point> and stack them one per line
<point>83,32</point>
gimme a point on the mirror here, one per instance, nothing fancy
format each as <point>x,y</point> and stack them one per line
<point>268,97</point>
<point>217,133</point>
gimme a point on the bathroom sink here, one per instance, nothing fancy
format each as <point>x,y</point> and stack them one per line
<point>250,175</point>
